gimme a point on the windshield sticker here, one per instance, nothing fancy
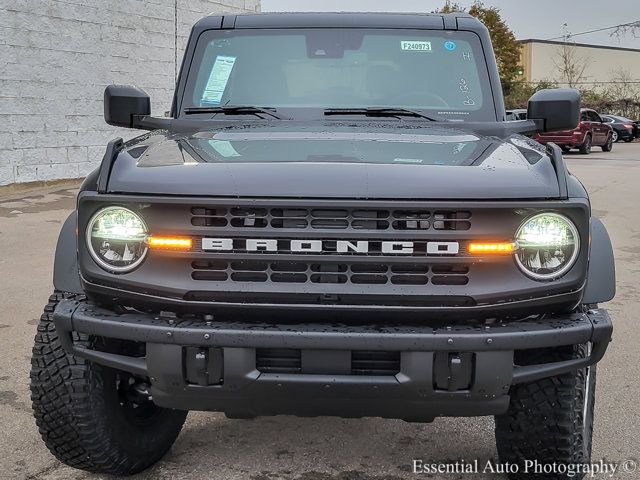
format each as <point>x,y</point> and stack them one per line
<point>218,79</point>
<point>224,148</point>
<point>458,147</point>
<point>415,46</point>
<point>449,45</point>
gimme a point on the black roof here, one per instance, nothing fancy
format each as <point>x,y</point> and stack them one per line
<point>431,21</point>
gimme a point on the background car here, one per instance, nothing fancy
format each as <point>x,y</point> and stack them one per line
<point>591,131</point>
<point>623,128</point>
<point>516,114</point>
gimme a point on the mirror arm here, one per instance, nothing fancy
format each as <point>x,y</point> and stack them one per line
<point>539,125</point>
<point>147,122</point>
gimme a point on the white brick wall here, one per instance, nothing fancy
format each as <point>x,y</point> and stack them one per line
<point>57,56</point>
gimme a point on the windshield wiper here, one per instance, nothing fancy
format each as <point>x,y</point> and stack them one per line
<point>382,112</point>
<point>235,110</point>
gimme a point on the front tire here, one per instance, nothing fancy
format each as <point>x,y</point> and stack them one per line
<point>615,136</point>
<point>608,146</point>
<point>549,420</point>
<point>86,414</point>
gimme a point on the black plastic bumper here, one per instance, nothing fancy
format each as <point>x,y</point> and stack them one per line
<point>447,371</point>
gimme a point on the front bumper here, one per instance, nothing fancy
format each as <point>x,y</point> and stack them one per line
<point>451,370</point>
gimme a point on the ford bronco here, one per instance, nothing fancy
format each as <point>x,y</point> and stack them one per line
<point>334,219</point>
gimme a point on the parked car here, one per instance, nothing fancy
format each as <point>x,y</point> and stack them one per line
<point>517,114</point>
<point>623,128</point>
<point>591,131</point>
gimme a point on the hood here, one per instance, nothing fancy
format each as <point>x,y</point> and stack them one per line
<point>365,161</point>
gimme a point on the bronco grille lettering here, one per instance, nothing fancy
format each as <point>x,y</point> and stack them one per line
<point>327,246</point>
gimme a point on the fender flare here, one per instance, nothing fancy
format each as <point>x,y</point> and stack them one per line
<point>66,273</point>
<point>601,279</point>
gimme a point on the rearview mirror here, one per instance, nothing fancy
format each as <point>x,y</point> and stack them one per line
<point>555,109</point>
<point>122,103</point>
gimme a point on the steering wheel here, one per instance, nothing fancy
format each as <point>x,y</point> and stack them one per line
<point>425,98</point>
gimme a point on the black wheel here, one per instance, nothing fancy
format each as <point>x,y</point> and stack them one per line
<point>551,420</point>
<point>615,136</point>
<point>585,148</point>
<point>608,146</point>
<point>92,417</point>
<point>565,148</point>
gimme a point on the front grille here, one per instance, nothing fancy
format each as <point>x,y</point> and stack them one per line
<point>256,271</point>
<point>346,259</point>
<point>329,219</point>
<point>363,362</point>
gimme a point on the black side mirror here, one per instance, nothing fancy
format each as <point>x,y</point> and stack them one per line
<point>122,103</point>
<point>555,109</point>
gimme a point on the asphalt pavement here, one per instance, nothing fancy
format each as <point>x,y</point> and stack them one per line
<point>285,448</point>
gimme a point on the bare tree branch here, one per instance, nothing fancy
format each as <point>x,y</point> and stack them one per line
<point>632,28</point>
<point>571,66</point>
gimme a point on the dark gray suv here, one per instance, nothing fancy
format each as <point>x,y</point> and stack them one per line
<point>336,219</point>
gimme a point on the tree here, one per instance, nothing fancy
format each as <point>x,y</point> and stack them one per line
<point>623,86</point>
<point>632,28</point>
<point>572,67</point>
<point>505,45</point>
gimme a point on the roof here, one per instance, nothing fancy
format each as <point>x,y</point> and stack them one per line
<point>586,45</point>
<point>431,21</point>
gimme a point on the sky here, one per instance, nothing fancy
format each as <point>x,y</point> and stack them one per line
<point>540,19</point>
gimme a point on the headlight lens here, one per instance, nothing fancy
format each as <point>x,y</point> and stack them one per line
<point>547,246</point>
<point>116,238</point>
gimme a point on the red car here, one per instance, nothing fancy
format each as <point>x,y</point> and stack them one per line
<point>592,131</point>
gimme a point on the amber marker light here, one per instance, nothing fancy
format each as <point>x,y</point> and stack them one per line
<point>170,243</point>
<point>491,248</point>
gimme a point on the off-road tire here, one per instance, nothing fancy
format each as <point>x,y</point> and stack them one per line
<point>548,420</point>
<point>585,148</point>
<point>608,146</point>
<point>79,412</point>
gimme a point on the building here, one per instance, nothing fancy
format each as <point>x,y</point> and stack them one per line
<point>56,57</point>
<point>542,60</point>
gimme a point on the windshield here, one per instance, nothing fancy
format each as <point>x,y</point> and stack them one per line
<point>438,72</point>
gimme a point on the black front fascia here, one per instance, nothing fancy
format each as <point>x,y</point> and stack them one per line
<point>448,284</point>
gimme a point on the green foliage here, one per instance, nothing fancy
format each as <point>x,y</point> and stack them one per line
<point>518,95</point>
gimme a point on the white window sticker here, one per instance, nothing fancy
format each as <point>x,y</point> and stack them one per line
<point>415,46</point>
<point>224,148</point>
<point>218,79</point>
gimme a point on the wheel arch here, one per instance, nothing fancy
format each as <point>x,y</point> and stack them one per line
<point>601,278</point>
<point>66,272</point>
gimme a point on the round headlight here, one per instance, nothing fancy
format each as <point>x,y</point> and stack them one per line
<point>117,239</point>
<point>547,246</point>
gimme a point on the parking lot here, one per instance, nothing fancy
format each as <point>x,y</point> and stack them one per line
<point>212,446</point>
